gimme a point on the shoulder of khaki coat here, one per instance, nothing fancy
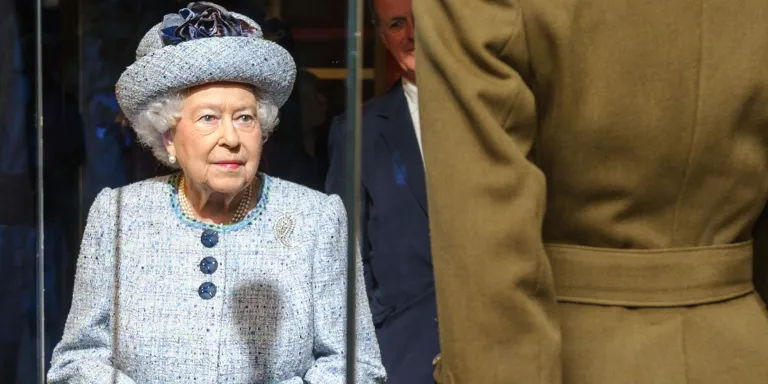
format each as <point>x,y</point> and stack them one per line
<point>495,293</point>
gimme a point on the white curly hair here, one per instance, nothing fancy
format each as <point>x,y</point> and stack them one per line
<point>164,113</point>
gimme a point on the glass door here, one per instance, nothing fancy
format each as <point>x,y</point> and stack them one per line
<point>65,138</point>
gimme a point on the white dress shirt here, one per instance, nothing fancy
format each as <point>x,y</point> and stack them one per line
<point>412,95</point>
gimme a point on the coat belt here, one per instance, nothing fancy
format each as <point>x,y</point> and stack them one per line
<point>651,278</point>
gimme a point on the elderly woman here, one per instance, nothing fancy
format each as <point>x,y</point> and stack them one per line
<point>216,274</point>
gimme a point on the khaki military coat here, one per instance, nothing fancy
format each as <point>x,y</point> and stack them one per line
<point>595,170</point>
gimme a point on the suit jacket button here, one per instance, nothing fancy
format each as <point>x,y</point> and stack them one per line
<point>207,291</point>
<point>209,265</point>
<point>209,238</point>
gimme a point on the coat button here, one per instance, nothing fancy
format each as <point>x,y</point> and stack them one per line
<point>207,291</point>
<point>209,265</point>
<point>209,238</point>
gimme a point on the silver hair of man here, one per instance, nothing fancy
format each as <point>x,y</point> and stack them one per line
<point>164,113</point>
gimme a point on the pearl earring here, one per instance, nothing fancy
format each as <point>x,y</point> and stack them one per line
<point>172,159</point>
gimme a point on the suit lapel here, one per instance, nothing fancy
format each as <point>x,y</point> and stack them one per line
<point>397,130</point>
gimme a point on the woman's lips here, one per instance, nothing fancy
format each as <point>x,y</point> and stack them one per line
<point>229,165</point>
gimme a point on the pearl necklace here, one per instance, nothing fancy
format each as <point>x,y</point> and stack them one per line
<point>240,213</point>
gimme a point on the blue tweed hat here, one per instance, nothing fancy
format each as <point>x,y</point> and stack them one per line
<point>204,43</point>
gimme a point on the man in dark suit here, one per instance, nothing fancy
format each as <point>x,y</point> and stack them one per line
<point>394,224</point>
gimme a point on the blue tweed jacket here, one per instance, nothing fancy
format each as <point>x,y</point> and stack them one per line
<point>162,298</point>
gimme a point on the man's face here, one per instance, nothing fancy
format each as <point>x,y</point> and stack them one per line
<point>396,28</point>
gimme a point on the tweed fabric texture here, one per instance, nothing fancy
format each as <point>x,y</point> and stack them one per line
<point>160,69</point>
<point>278,315</point>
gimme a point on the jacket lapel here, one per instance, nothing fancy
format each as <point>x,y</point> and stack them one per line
<point>397,130</point>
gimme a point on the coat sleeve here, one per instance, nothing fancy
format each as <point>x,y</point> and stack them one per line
<point>495,293</point>
<point>84,355</point>
<point>329,300</point>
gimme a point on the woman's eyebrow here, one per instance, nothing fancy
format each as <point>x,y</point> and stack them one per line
<point>241,107</point>
<point>207,106</point>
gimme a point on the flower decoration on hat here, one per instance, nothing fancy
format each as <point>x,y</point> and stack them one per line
<point>200,20</point>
